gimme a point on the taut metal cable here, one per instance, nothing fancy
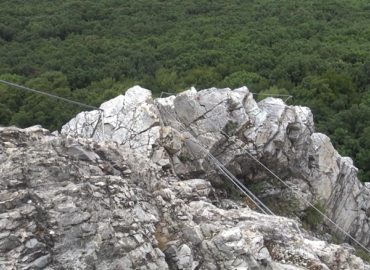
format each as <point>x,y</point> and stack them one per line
<point>225,171</point>
<point>278,178</point>
<point>306,201</point>
<point>274,95</point>
<point>285,184</point>
<point>49,95</point>
<point>60,98</point>
<point>332,152</point>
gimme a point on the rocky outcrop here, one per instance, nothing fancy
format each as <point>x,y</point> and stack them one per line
<point>76,203</point>
<point>180,131</point>
<point>131,120</point>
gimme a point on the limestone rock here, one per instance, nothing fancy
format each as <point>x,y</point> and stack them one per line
<point>129,119</point>
<point>143,194</point>
<point>51,221</point>
<point>180,133</point>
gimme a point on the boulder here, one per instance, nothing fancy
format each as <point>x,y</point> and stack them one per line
<point>192,131</point>
<point>142,178</point>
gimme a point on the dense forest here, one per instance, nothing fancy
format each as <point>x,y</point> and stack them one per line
<point>90,51</point>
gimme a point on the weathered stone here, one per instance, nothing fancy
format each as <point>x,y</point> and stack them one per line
<point>83,203</point>
<point>81,153</point>
<point>33,243</point>
<point>74,218</point>
<point>130,120</point>
<point>185,258</point>
<point>8,243</point>
<point>193,234</point>
<point>41,262</point>
<point>171,139</point>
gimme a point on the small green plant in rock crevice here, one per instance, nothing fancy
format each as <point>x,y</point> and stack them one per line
<point>231,128</point>
<point>184,157</point>
<point>255,188</point>
<point>359,252</point>
<point>313,217</point>
<point>362,254</point>
<point>232,191</point>
<point>335,240</point>
<point>284,204</point>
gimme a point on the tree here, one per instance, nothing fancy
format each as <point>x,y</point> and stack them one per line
<point>241,78</point>
<point>275,92</point>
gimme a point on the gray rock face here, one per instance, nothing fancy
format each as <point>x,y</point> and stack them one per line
<point>141,195</point>
<point>63,209</point>
<point>181,130</point>
<point>119,210</point>
<point>131,120</point>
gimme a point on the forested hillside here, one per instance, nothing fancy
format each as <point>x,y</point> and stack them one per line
<point>90,51</point>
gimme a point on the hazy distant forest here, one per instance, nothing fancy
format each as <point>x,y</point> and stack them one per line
<point>91,51</point>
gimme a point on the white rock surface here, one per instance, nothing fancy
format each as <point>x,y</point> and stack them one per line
<point>177,133</point>
<point>105,206</point>
<point>130,120</point>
